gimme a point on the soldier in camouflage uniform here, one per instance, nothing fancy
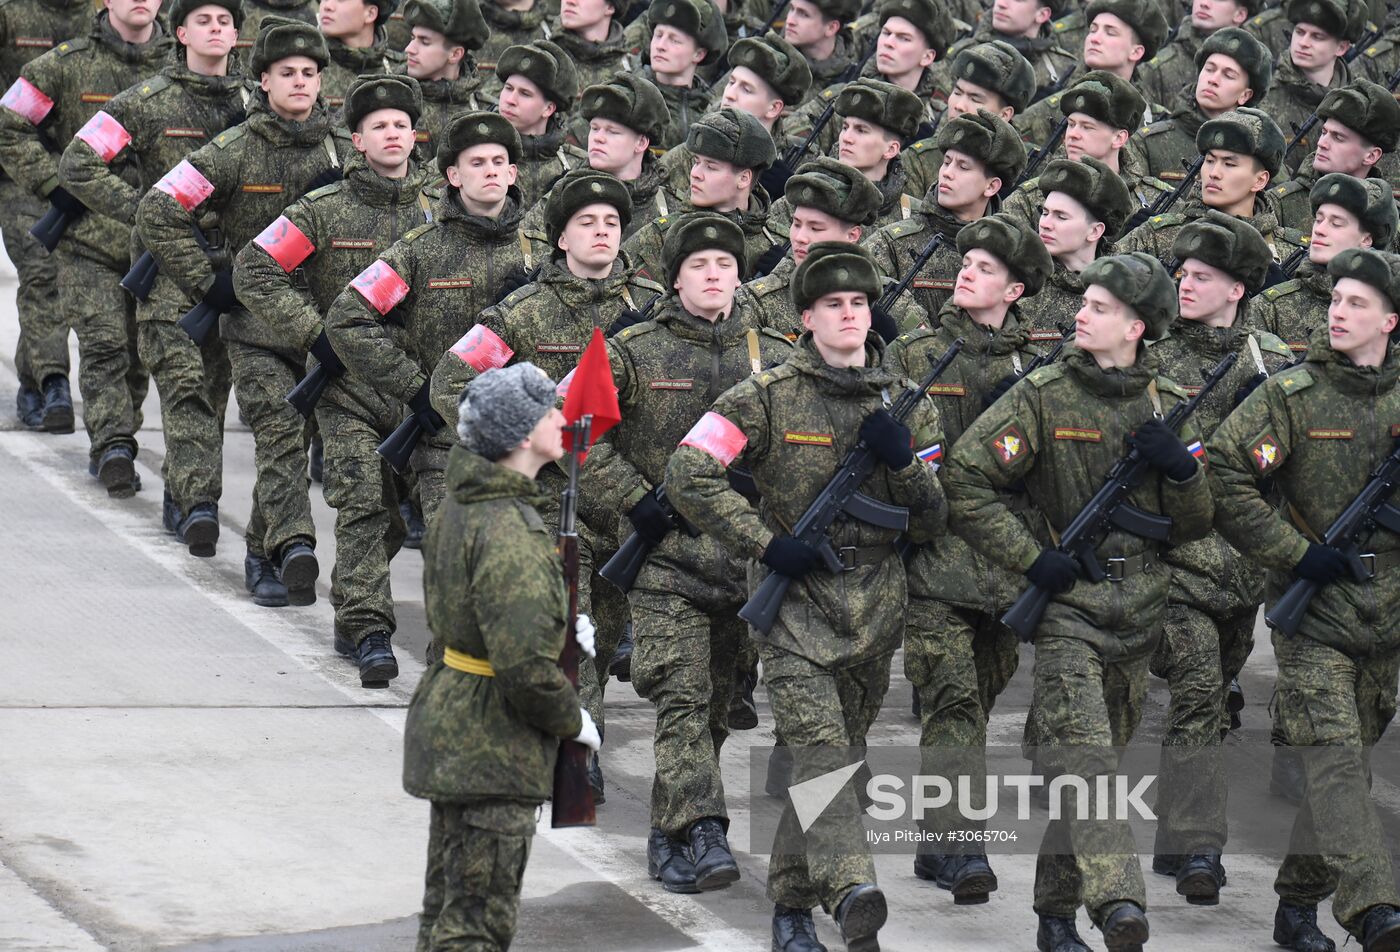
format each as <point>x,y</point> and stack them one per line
<point>817,28</point>
<point>1026,28</point>
<point>246,176</point>
<point>1314,433</point>
<point>957,653</point>
<point>538,88</point>
<point>161,120</point>
<point>1360,130</point>
<point>357,44</point>
<point>981,154</point>
<point>668,371</point>
<point>44,401</point>
<point>685,34</point>
<point>289,275</point>
<point>1235,69</point>
<point>1215,594</point>
<point>512,22</point>
<point>1175,66</point>
<point>439,55</point>
<point>732,149</point>
<point>826,659</point>
<point>1084,203</point>
<point>590,32</point>
<point>254,11</point>
<point>56,97</point>
<point>485,723</point>
<point>1059,431</point>
<point>1347,213</point>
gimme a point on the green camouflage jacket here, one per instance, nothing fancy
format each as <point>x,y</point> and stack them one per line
<point>1315,433</point>
<point>643,248</point>
<point>649,201</point>
<point>492,589</point>
<point>1155,236</point>
<point>1293,98</point>
<point>1161,78</point>
<point>28,28</point>
<point>543,159</point>
<point>825,72</point>
<point>1293,194</point>
<point>255,10</point>
<point>445,98</point>
<point>768,303</point>
<point>1051,62</point>
<point>1060,431</point>
<point>1294,309</point>
<point>508,28</point>
<point>349,63</point>
<point>896,246</point>
<point>1163,149</point>
<point>685,104</point>
<point>1057,303</point>
<point>595,62</point>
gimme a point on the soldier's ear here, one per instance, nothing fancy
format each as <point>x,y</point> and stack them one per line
<point>1014,292</point>
<point>1120,138</point>
<point>853,236</point>
<point>1366,240</point>
<point>456,54</point>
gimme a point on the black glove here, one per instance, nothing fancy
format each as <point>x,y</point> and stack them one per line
<point>324,353</point>
<point>1248,387</point>
<point>66,202</point>
<point>514,280</point>
<point>791,557</point>
<point>625,320</point>
<point>999,391</point>
<point>889,439</point>
<point>329,177</point>
<point>1053,571</point>
<point>1139,217</point>
<point>882,323</point>
<point>1164,451</point>
<point>651,519</point>
<point>220,295</point>
<point>1322,564</point>
<point>423,409</point>
<point>770,259</point>
<point>774,179</point>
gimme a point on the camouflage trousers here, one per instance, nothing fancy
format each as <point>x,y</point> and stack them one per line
<point>822,713</point>
<point>1338,706</point>
<point>111,379</point>
<point>369,529</point>
<point>959,660</point>
<point>1086,706</point>
<point>429,466</point>
<point>193,383</point>
<point>42,349</point>
<point>476,861</point>
<point>1191,657</point>
<point>683,663</point>
<point>281,504</point>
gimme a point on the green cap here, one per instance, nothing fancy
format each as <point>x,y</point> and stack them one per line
<point>830,268</point>
<point>1139,281</point>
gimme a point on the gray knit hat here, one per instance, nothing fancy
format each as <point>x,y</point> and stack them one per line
<point>732,136</point>
<point>1370,200</point>
<point>499,409</point>
<point>1139,281</point>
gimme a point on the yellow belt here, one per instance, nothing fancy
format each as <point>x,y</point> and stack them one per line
<point>465,662</point>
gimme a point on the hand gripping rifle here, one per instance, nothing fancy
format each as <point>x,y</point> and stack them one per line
<point>842,496</point>
<point>1370,508</point>
<point>573,797</point>
<point>1109,509</point>
<point>203,319</point>
<point>882,313</point>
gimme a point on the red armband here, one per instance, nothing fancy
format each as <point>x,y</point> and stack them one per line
<point>186,184</point>
<point>106,135</point>
<point>481,349</point>
<point>28,100</point>
<point>718,437</point>
<point>380,286</point>
<point>285,243</point>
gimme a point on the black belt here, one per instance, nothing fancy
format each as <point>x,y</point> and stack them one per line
<point>1119,568</point>
<point>1379,562</point>
<point>854,556</point>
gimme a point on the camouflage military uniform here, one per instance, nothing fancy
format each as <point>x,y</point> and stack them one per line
<point>247,176</point>
<point>684,604</point>
<point>1295,205</point>
<point>346,224</point>
<point>482,748</point>
<point>543,159</point>
<point>1037,122</point>
<point>1155,236</point>
<point>1271,27</point>
<point>801,122</point>
<point>255,10</point>
<point>895,247</point>
<point>827,71</point>
<point>767,303</point>
<point>1293,98</point>
<point>826,660</point>
<point>27,29</point>
<point>167,117</point>
<point>896,204</point>
<point>1316,431</point>
<point>1060,430</point>
<point>595,62</point>
<point>77,77</point>
<point>1160,147</point>
<point>1056,304</point>
<point>643,249</point>
<point>1162,77</point>
<point>349,63</point>
<point>1052,63</point>
<point>1025,203</point>
<point>1297,307</point>
<point>649,201</point>
<point>508,28</point>
<point>684,103</point>
<point>445,98</point>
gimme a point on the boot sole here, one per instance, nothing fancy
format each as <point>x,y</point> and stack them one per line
<point>299,574</point>
<point>201,536</point>
<point>57,421</point>
<point>864,917</point>
<point>1127,936</point>
<point>1288,940</point>
<point>275,601</point>
<point>974,889</point>
<point>379,675</point>
<point>1200,889</point>
<point>721,878</point>
<point>118,475</point>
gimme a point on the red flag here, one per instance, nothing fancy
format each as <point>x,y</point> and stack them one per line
<point>590,390</point>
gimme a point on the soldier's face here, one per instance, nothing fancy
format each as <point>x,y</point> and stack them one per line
<point>592,236</point>
<point>1205,291</point>
<point>612,146</point>
<point>430,55</point>
<point>706,282</point>
<point>481,174</point>
<point>546,440</point>
<point>716,184</point>
<point>1313,48</point>
<point>968,97</point>
<point>1228,178</point>
<point>1066,226</point>
<point>810,226</point>
<point>1335,229</point>
<point>1340,149</point>
<point>1019,17</point>
<point>1111,43</point>
<point>839,322</point>
<point>673,51</point>
<point>135,14</point>
<point>208,31</point>
<point>863,145</point>
<point>1085,135</point>
<point>385,136</point>
<point>525,106</point>
<point>749,92</point>
<point>1221,85</point>
<point>1359,318</point>
<point>963,183</point>
<point>345,18</point>
<point>292,85</point>
<point>1211,15</point>
<point>579,15</point>
<point>984,282</point>
<point>805,24</point>
<point>1104,324</point>
<point>902,49</point>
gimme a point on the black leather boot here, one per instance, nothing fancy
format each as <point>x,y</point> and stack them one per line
<point>794,931</point>
<point>1200,879</point>
<point>116,468</point>
<point>299,571</point>
<point>1380,930</point>
<point>1295,927</point>
<point>29,407</point>
<point>715,867</point>
<point>860,915</point>
<point>261,580</point>
<point>1058,935</point>
<point>1125,928</point>
<point>200,530</point>
<point>58,405</point>
<point>378,666</point>
<point>620,666</point>
<point>669,862</point>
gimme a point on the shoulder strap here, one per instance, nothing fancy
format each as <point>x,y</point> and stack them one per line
<point>1155,397</point>
<point>426,205</point>
<point>755,358</point>
<point>525,250</point>
<point>661,202</point>
<point>906,205</point>
<point>627,297</point>
<point>1256,355</point>
<point>329,143</point>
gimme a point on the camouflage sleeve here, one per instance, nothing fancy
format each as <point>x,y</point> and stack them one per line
<point>168,214</point>
<point>88,173</point>
<point>643,251</point>
<point>881,248</point>
<point>1018,205</point>
<point>31,110</point>
<point>364,342</point>
<point>454,371</point>
<point>976,476</point>
<point>1188,503</point>
<point>609,477</point>
<point>1140,238</point>
<point>917,485</point>
<point>734,430</point>
<point>513,594</point>
<point>1246,448</point>
<point>1262,315</point>
<point>263,270</point>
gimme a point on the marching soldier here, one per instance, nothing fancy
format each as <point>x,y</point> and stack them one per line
<point>247,176</point>
<point>981,154</point>
<point>826,659</point>
<point>55,98</point>
<point>684,35</point>
<point>495,600</point>
<point>440,56</point>
<point>1175,66</point>
<point>1215,593</point>
<point>1025,26</point>
<point>539,86</point>
<point>818,30</point>
<point>1315,432</point>
<point>288,276</point>
<point>957,653</point>
<point>589,31</point>
<point>668,371</point>
<point>357,44</point>
<point>162,119</point>
<point>1058,432</point>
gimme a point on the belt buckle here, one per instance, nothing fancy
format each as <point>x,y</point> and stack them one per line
<point>846,555</point>
<point>1368,559</point>
<point>1116,568</point>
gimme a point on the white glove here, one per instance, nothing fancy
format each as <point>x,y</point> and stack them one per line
<point>588,734</point>
<point>583,634</point>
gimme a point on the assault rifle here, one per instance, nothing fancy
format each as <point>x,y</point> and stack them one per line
<point>882,312</point>
<point>842,496</point>
<point>1038,156</point>
<point>1164,202</point>
<point>1109,509</point>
